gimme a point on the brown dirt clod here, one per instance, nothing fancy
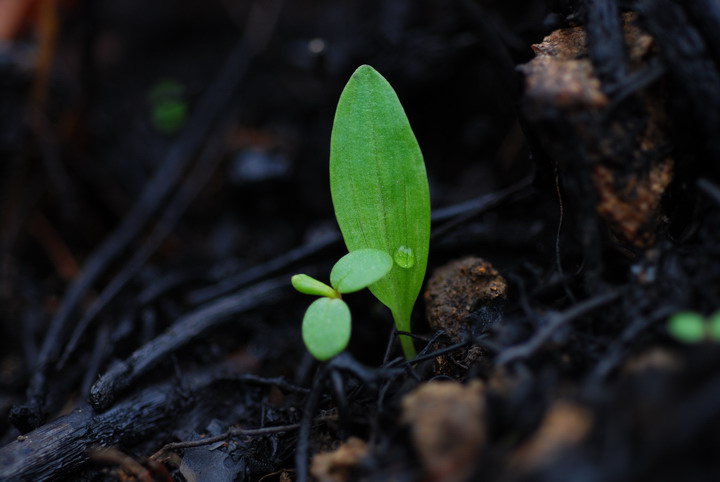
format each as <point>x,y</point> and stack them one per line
<point>565,424</point>
<point>448,428</point>
<point>335,466</point>
<point>458,288</point>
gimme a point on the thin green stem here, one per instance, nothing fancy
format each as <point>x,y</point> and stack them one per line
<point>402,323</point>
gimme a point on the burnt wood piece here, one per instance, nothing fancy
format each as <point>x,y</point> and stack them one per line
<point>62,445</point>
<point>606,45</point>
<point>124,374</point>
<point>695,86</point>
<point>611,160</point>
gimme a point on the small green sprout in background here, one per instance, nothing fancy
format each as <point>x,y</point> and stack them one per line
<point>327,322</point>
<point>380,189</point>
<point>692,327</point>
<point>168,108</point>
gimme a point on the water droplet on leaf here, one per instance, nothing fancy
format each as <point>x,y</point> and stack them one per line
<point>404,257</point>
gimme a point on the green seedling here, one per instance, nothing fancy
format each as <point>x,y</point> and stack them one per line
<point>381,198</point>
<point>327,321</point>
<point>692,327</point>
<point>380,190</point>
<point>168,108</point>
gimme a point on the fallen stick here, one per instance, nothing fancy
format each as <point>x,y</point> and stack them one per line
<point>122,375</point>
<point>62,445</point>
<point>66,444</point>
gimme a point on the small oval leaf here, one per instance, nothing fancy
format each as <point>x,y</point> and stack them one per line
<point>326,327</point>
<point>359,269</point>
<point>687,327</point>
<point>310,286</point>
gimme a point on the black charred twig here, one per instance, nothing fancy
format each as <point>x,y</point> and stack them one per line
<point>618,351</point>
<point>605,42</point>
<point>345,362</point>
<point>389,346</point>
<point>339,395</point>
<point>426,354</point>
<point>431,342</point>
<point>95,363</point>
<point>278,382</point>
<point>705,15</point>
<point>408,365</point>
<point>710,188</point>
<point>164,284</point>
<point>302,451</point>
<point>695,77</point>
<point>480,204</point>
<point>634,83</point>
<point>554,323</point>
<point>186,329</point>
<point>269,268</point>
<point>461,212</point>
<point>192,185</point>
<point>437,353</point>
<point>230,433</point>
<point>61,445</point>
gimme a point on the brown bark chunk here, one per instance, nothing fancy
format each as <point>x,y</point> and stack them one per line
<point>620,146</point>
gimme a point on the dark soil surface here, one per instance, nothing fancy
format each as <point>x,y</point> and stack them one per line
<point>164,171</point>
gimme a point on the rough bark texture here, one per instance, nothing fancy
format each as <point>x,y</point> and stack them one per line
<point>62,445</point>
<point>610,149</point>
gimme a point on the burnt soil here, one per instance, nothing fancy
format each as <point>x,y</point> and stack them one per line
<point>144,267</point>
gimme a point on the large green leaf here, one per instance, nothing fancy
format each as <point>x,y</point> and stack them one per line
<point>380,190</point>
